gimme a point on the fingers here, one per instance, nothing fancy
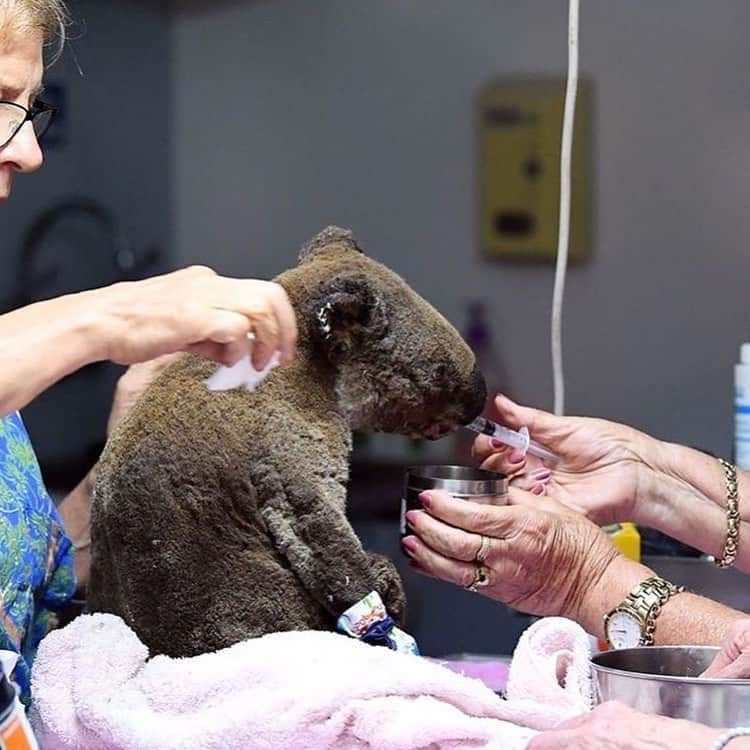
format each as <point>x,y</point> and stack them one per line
<point>267,333</point>
<point>287,322</point>
<point>220,335</point>
<point>271,317</point>
<point>220,326</point>
<point>491,520</point>
<point>264,306</point>
<point>225,354</point>
<point>733,661</point>
<point>512,415</point>
<point>431,562</point>
<point>501,457</point>
<point>494,456</point>
<point>447,540</point>
<point>723,668</point>
<point>531,474</point>
<point>538,502</point>
<point>544,427</point>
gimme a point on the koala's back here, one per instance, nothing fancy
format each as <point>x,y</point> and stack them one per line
<point>180,549</point>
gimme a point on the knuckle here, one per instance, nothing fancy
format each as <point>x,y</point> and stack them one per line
<point>200,270</point>
<point>277,290</point>
<point>481,517</point>
<point>467,550</point>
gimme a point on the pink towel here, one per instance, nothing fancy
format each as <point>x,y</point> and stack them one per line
<point>94,687</point>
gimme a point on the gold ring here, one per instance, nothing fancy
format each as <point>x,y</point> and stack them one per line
<point>484,549</point>
<point>481,579</point>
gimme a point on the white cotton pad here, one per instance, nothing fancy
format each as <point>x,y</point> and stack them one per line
<point>242,374</point>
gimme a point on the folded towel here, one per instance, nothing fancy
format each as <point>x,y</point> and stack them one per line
<point>550,675</point>
<point>93,686</point>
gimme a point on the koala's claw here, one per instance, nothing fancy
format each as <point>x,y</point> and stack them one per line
<point>389,585</point>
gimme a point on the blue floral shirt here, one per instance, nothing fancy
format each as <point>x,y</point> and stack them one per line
<point>36,557</point>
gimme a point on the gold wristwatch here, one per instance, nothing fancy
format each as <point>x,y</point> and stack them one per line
<point>633,622</point>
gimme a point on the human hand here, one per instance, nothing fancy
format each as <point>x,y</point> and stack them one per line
<point>604,467</point>
<point>542,558</point>
<point>131,385</point>
<point>614,726</point>
<point>194,310</point>
<point>733,661</point>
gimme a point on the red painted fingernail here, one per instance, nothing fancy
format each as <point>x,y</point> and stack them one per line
<point>497,444</point>
<point>538,490</point>
<point>516,457</point>
<point>409,543</point>
<point>411,517</point>
<point>425,499</point>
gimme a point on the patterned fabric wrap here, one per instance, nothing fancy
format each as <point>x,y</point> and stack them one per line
<point>36,557</point>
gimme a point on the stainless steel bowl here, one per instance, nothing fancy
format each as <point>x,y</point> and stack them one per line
<point>463,482</point>
<point>666,680</point>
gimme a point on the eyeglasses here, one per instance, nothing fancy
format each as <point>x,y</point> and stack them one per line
<point>14,116</point>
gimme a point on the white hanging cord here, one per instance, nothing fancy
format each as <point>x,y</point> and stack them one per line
<point>563,238</point>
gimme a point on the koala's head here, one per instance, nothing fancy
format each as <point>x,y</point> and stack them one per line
<point>400,366</point>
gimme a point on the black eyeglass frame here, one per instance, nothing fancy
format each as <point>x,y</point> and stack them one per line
<point>31,113</point>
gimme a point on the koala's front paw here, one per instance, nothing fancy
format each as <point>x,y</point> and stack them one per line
<point>389,585</point>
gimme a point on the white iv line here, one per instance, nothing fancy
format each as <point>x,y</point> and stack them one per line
<point>563,239</point>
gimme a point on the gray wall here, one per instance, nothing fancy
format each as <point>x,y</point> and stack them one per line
<point>291,114</point>
<point>118,128</point>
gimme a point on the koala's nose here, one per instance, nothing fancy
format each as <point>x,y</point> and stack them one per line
<point>476,396</point>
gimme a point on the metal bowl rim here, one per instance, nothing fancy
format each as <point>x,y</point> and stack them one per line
<point>482,474</point>
<point>478,483</point>
<point>718,681</point>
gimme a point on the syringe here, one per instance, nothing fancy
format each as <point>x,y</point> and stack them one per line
<point>520,439</point>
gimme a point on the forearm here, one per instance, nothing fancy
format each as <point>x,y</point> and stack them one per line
<point>685,617</point>
<point>75,512</point>
<point>684,494</point>
<point>42,343</point>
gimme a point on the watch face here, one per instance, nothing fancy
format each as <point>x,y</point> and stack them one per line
<point>623,630</point>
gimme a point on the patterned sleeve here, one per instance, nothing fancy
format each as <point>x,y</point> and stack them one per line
<point>36,556</point>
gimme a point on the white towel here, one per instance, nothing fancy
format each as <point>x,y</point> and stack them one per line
<point>93,686</point>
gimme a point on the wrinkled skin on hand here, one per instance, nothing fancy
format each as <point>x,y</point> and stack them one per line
<point>613,726</point>
<point>543,557</point>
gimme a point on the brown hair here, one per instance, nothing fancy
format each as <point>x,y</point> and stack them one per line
<point>48,16</point>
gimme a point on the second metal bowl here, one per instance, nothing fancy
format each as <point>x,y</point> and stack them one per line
<point>665,680</point>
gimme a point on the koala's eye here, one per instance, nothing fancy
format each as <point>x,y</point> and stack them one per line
<point>440,372</point>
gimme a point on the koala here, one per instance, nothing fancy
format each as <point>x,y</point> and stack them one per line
<point>218,517</point>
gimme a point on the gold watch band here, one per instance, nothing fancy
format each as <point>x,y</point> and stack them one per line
<point>645,602</point>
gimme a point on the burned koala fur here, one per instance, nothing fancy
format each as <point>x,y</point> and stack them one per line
<point>221,516</point>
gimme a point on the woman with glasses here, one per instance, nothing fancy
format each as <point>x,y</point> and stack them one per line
<point>192,310</point>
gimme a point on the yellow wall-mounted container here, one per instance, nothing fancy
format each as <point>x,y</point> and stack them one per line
<point>626,538</point>
<point>520,123</point>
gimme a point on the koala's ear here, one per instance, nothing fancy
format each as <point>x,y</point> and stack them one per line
<point>348,312</point>
<point>343,239</point>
